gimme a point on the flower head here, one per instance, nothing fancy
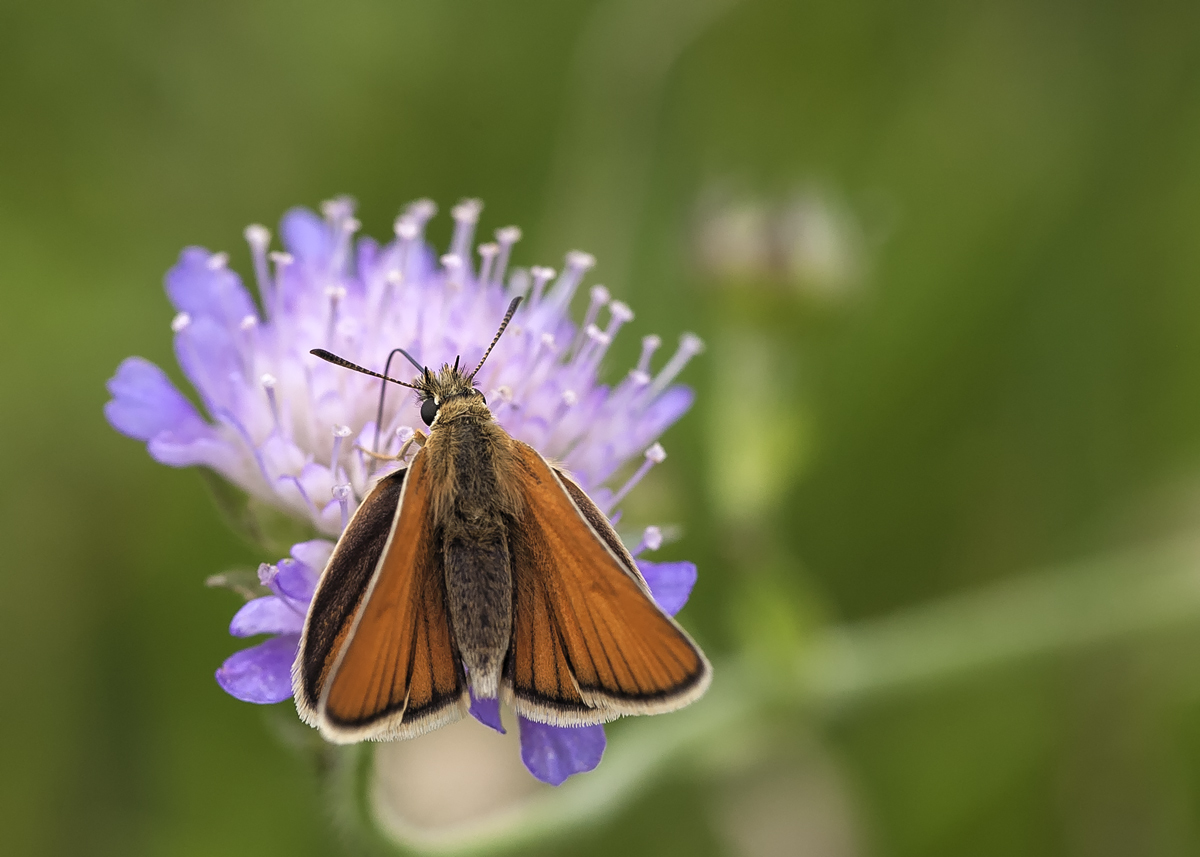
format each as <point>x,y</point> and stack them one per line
<point>293,431</point>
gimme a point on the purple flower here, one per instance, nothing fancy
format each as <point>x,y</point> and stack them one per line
<point>290,430</point>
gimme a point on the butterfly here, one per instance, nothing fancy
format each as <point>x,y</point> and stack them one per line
<point>482,569</point>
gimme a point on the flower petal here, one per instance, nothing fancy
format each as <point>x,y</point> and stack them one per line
<point>262,674</point>
<point>204,290</point>
<point>306,236</point>
<point>314,554</point>
<point>209,449</point>
<point>670,582</point>
<point>487,712</point>
<point>267,615</point>
<point>145,403</point>
<point>298,576</point>
<point>553,753</point>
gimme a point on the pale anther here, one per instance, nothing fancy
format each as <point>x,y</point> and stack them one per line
<point>257,235</point>
<point>180,322</point>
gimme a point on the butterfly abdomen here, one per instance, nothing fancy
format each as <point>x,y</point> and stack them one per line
<point>474,535</point>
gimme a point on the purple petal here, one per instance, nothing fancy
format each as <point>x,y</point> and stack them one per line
<point>208,449</point>
<point>553,753</point>
<point>487,712</point>
<point>146,403</point>
<point>670,582</point>
<point>267,615</point>
<point>306,236</point>
<point>262,674</point>
<point>209,358</point>
<point>298,576</point>
<point>204,291</point>
<point>314,554</point>
<point>665,410</point>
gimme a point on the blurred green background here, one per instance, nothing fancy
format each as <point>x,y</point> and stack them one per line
<point>945,258</point>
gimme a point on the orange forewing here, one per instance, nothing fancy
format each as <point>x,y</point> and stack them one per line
<point>589,643</point>
<point>394,670</point>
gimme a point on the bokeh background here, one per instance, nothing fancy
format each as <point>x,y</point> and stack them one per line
<point>945,465</point>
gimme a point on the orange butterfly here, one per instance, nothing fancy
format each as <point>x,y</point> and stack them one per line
<point>483,566</point>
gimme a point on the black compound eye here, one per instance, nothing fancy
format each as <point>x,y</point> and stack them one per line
<point>429,409</point>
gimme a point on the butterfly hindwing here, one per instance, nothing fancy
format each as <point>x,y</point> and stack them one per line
<point>589,643</point>
<point>391,669</point>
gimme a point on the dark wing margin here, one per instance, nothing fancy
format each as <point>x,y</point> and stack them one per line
<point>341,587</point>
<point>390,668</point>
<point>589,643</point>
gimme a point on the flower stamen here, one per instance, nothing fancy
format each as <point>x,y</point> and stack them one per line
<point>466,215</point>
<point>599,297</point>
<point>654,455</point>
<point>259,238</point>
<point>340,433</point>
<point>689,346</point>
<point>506,237</point>
<point>652,539</point>
<point>540,275</point>
<point>487,256</point>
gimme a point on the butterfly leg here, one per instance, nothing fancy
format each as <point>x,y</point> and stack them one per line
<point>418,438</point>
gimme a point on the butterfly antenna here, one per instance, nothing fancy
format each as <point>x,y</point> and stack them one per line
<point>329,357</point>
<point>387,370</point>
<point>512,308</point>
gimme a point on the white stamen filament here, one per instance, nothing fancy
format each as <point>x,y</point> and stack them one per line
<point>259,238</point>
<point>268,384</point>
<point>281,260</point>
<point>507,237</point>
<point>487,255</point>
<point>454,270</point>
<point>689,346</point>
<point>654,455</point>
<point>578,264</point>
<point>619,314</point>
<point>650,344</point>
<point>599,297</point>
<point>248,326</point>
<point>340,433</point>
<point>540,275</point>
<point>466,215</point>
<point>597,345</point>
<point>420,213</point>
<point>335,295</point>
<point>341,493</point>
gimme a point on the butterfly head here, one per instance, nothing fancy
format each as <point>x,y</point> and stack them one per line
<point>448,391</point>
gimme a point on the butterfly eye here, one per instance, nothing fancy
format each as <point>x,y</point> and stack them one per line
<point>429,409</point>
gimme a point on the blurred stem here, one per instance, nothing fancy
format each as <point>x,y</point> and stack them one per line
<point>619,71</point>
<point>1111,599</point>
<point>1107,600</point>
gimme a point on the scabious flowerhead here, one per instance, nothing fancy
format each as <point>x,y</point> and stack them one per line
<point>291,430</point>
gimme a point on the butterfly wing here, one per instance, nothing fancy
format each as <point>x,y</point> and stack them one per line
<point>589,644</point>
<point>377,659</point>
